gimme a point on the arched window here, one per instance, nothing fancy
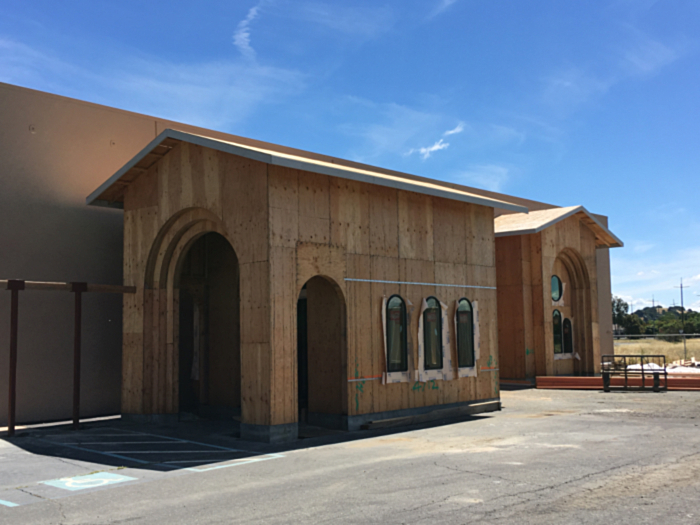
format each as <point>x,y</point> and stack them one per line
<point>465,334</point>
<point>568,337</point>
<point>432,334</point>
<point>557,288</point>
<point>396,342</point>
<point>556,327</point>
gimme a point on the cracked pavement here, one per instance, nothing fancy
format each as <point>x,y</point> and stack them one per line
<point>549,457</point>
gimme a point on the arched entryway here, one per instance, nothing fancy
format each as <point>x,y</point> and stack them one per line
<point>209,329</point>
<point>575,308</point>
<point>321,354</point>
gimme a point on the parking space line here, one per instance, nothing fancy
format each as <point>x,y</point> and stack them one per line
<point>165,451</point>
<point>114,442</point>
<point>131,455</point>
<point>8,503</point>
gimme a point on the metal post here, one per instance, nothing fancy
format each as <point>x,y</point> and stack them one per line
<point>15,287</point>
<point>685,349</point>
<point>77,289</point>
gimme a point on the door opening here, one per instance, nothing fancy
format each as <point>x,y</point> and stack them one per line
<point>321,354</point>
<point>209,330</point>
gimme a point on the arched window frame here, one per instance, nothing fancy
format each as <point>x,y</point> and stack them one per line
<point>404,334</point>
<point>439,331</point>
<point>558,335</point>
<point>459,342</point>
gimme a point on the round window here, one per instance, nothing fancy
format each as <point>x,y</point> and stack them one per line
<point>557,288</point>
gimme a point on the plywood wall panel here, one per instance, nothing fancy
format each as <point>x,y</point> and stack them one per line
<point>384,269</point>
<point>415,226</point>
<point>450,230</point>
<point>349,205</point>
<point>283,297</point>
<point>245,209</point>
<point>384,221</point>
<point>255,302</point>
<point>480,235</point>
<point>359,331</point>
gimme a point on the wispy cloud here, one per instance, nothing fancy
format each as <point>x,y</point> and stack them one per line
<point>457,129</point>
<point>426,152</point>
<point>638,55</point>
<point>569,88</point>
<point>241,37</point>
<point>644,55</point>
<point>215,94</point>
<point>442,6</point>
<point>387,129</point>
<point>359,21</point>
<point>487,176</point>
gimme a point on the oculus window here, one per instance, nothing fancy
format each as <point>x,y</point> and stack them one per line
<point>557,288</point>
<point>465,334</point>
<point>556,327</point>
<point>432,334</point>
<point>396,337</point>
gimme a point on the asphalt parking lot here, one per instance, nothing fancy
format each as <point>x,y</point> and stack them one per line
<point>548,457</point>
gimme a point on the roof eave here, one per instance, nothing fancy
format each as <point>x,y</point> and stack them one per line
<point>227,147</point>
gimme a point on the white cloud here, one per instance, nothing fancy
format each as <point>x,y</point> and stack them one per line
<point>426,152</point>
<point>210,94</point>
<point>358,21</point>
<point>569,88</point>
<point>655,274</point>
<point>241,38</point>
<point>387,128</point>
<point>457,129</point>
<point>486,176</point>
<point>442,6</point>
<point>644,55</point>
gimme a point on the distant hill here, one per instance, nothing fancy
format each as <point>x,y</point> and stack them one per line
<point>650,313</point>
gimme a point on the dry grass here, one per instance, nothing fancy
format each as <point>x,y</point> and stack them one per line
<point>672,351</point>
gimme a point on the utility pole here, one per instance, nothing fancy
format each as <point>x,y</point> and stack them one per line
<point>685,349</point>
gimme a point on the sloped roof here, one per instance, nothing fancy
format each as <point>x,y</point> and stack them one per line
<point>536,221</point>
<point>111,193</point>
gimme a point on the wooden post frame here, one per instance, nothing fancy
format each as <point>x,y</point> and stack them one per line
<point>77,289</point>
<point>14,286</point>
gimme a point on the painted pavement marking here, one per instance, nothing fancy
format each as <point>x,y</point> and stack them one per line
<point>8,503</point>
<point>129,455</point>
<point>89,481</point>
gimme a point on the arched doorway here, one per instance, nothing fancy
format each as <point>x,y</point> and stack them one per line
<point>321,354</point>
<point>209,362</point>
<point>576,310</point>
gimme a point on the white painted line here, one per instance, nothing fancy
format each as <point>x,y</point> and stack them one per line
<point>115,442</point>
<point>8,503</point>
<point>162,451</point>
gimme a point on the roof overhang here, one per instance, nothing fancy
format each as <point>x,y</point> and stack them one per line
<point>536,221</point>
<point>111,192</point>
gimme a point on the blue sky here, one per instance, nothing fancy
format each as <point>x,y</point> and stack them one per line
<point>592,103</point>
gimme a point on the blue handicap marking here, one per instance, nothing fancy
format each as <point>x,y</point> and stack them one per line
<point>90,481</point>
<point>8,503</point>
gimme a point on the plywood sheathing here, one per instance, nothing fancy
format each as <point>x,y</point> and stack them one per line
<point>105,195</point>
<point>287,226</point>
<point>538,221</point>
<point>525,266</point>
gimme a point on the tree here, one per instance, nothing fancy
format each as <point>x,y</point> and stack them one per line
<point>633,325</point>
<point>619,310</point>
